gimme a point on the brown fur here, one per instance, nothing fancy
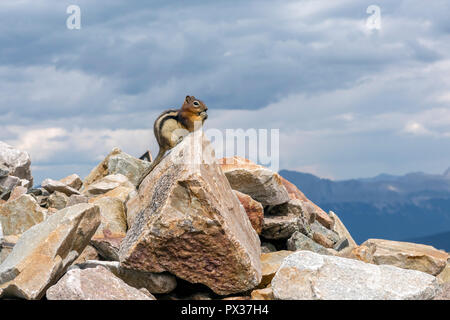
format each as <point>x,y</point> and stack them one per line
<point>172,125</point>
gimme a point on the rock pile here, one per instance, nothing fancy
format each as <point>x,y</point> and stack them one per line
<point>196,228</point>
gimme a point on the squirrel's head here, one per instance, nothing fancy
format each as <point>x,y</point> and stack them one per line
<point>194,109</point>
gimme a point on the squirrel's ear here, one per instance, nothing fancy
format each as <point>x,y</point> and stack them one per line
<point>188,99</point>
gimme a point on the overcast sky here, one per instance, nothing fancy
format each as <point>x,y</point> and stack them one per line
<point>349,101</point>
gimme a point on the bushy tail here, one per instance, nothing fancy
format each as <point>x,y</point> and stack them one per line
<point>152,166</point>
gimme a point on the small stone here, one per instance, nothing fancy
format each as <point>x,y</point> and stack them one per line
<point>107,184</point>
<point>77,199</point>
<point>299,241</point>
<point>267,247</point>
<point>58,200</point>
<point>94,284</point>
<point>73,181</point>
<point>157,283</point>
<point>262,294</point>
<point>53,185</point>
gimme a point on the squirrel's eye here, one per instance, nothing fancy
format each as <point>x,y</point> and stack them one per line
<point>196,103</point>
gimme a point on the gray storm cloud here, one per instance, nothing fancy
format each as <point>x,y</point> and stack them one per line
<point>348,101</point>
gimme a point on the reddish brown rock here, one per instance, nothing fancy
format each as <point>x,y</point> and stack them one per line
<point>254,209</point>
<point>192,225</point>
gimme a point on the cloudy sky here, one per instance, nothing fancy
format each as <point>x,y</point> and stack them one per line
<point>349,101</point>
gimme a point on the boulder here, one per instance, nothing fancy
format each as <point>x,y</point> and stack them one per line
<point>112,229</point>
<point>341,230</point>
<point>20,214</point>
<point>403,255</point>
<point>94,284</point>
<point>299,242</point>
<point>53,186</point>
<point>260,183</point>
<point>307,275</point>
<point>118,162</point>
<point>157,283</point>
<point>107,184</point>
<point>320,215</point>
<point>45,251</point>
<point>191,224</point>
<point>14,162</point>
<point>270,263</point>
<point>73,181</point>
<point>254,209</point>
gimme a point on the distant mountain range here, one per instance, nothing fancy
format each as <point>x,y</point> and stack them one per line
<point>415,206</point>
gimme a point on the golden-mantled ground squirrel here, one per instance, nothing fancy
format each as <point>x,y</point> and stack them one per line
<point>173,125</point>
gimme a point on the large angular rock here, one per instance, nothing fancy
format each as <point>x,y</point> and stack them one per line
<point>20,214</point>
<point>262,184</point>
<point>94,284</point>
<point>192,225</point>
<point>112,229</point>
<point>45,251</point>
<point>307,275</point>
<point>118,162</point>
<point>153,282</point>
<point>14,162</point>
<point>403,255</point>
<point>320,215</point>
<point>254,209</point>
